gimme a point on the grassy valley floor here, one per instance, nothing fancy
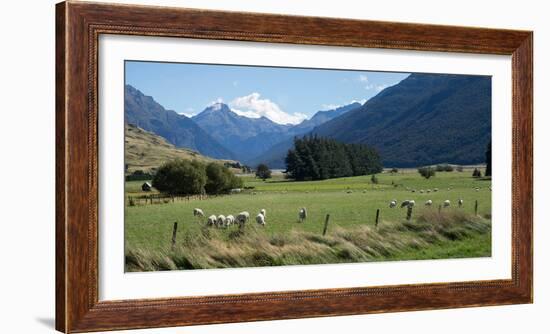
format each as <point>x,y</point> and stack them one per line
<point>351,237</point>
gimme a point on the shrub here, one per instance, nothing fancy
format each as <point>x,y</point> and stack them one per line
<point>394,170</point>
<point>426,172</point>
<point>488,170</point>
<point>139,175</point>
<point>444,168</point>
<point>220,179</point>
<point>476,173</point>
<point>374,179</point>
<point>180,177</point>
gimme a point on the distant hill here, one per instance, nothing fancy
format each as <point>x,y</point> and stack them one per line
<point>425,119</point>
<point>246,137</point>
<point>274,157</point>
<point>179,130</point>
<point>146,151</point>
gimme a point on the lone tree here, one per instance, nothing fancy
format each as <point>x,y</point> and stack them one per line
<point>373,179</point>
<point>263,172</point>
<point>427,172</point>
<point>488,169</point>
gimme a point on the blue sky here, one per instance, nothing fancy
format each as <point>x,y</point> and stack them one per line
<point>285,95</point>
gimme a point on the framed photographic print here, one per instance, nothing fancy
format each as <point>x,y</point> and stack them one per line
<point>223,166</point>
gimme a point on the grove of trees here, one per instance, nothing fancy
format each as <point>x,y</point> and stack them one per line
<point>318,158</point>
<point>185,177</point>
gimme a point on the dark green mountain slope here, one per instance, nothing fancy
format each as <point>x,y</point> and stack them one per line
<point>425,119</point>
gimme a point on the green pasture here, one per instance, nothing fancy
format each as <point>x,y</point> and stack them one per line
<point>351,202</point>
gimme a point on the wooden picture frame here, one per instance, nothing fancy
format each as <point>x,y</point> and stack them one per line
<point>78,27</point>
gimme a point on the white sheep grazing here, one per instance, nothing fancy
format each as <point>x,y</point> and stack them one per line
<point>393,204</point>
<point>221,221</point>
<point>477,188</point>
<point>460,202</point>
<point>435,190</point>
<point>428,191</point>
<point>411,203</point>
<point>262,211</point>
<point>302,215</point>
<point>212,220</point>
<point>242,218</point>
<point>229,220</point>
<point>421,191</point>
<point>260,219</point>
<point>198,212</point>
<point>428,202</point>
<point>446,203</point>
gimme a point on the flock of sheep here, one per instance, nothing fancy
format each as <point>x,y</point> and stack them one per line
<point>410,203</point>
<point>241,219</point>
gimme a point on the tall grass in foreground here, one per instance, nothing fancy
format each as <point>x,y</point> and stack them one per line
<point>469,234</point>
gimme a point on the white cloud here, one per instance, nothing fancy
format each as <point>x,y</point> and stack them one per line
<point>189,112</point>
<point>363,78</point>
<point>216,101</point>
<point>249,114</point>
<point>254,106</point>
<point>377,88</point>
<point>330,106</point>
<point>362,101</point>
<point>335,106</point>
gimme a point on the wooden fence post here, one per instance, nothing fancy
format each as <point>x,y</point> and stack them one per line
<point>476,207</point>
<point>326,224</point>
<point>409,212</point>
<point>377,215</point>
<point>174,235</point>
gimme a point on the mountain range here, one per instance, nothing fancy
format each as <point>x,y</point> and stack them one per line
<point>246,137</point>
<point>144,112</point>
<point>424,119</point>
<point>251,138</point>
